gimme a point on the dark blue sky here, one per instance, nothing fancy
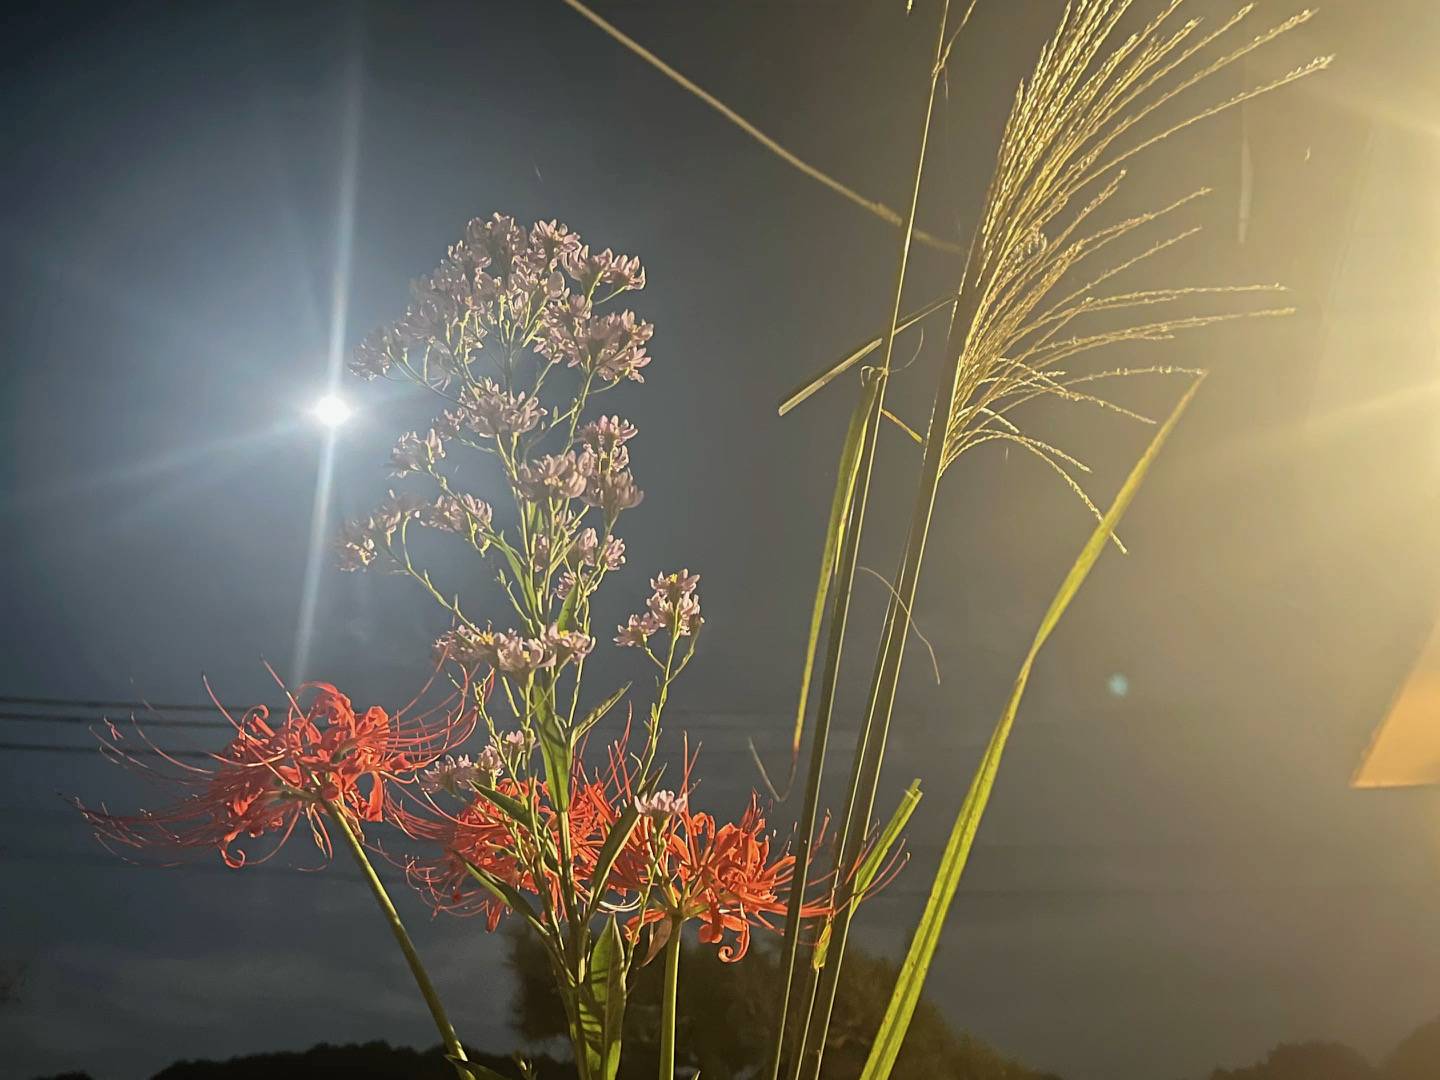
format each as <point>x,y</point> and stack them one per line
<point>1170,880</point>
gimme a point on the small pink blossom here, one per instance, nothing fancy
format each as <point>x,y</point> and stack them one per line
<point>662,805</point>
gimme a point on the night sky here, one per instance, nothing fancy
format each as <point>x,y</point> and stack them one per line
<point>1171,878</point>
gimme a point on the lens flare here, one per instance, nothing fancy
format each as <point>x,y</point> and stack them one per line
<point>331,410</point>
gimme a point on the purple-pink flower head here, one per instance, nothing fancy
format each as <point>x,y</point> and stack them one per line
<point>355,546</point>
<point>585,546</point>
<point>550,242</point>
<point>489,762</point>
<point>487,410</point>
<point>611,347</point>
<point>416,454</point>
<point>567,645</point>
<point>508,651</point>
<point>520,742</point>
<point>500,240</point>
<point>674,604</point>
<point>614,348</point>
<point>636,631</point>
<point>587,550</point>
<point>675,585</point>
<point>605,433</point>
<point>555,476</point>
<point>613,492</point>
<point>612,553</point>
<point>450,774</point>
<point>564,583</point>
<point>606,439</point>
<point>521,656</point>
<point>376,354</point>
<point>461,514</point>
<point>661,805</point>
<point>604,268</point>
<point>467,646</point>
<point>681,617</point>
<point>393,512</point>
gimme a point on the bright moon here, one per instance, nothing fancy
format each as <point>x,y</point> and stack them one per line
<point>330,410</point>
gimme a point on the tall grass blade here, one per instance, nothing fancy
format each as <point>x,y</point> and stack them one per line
<point>874,392</point>
<point>906,995</point>
<point>840,505</point>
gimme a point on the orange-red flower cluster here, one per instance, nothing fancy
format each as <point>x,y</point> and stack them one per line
<point>486,838</point>
<point>675,865</point>
<point>724,876</point>
<point>273,775</point>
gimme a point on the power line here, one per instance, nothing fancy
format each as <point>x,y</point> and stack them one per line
<point>82,718</point>
<point>60,748</point>
<point>147,706</point>
<point>83,703</point>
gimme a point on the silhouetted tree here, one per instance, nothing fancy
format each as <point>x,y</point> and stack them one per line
<point>726,1018</point>
<point>1306,1061</point>
<point>1417,1057</point>
<point>353,1061</point>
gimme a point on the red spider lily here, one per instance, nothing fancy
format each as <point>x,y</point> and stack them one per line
<point>675,865</point>
<point>485,837</point>
<point>680,865</point>
<point>272,776</point>
<point>723,876</point>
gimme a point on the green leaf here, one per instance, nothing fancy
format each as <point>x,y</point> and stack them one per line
<point>962,836</point>
<point>517,567</point>
<point>507,894</point>
<point>554,749</point>
<point>874,860</point>
<point>595,715</point>
<point>513,808</point>
<point>602,1003</point>
<point>880,850</point>
<point>840,504</point>
<point>610,851</point>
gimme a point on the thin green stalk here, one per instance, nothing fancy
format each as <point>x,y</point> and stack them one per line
<point>870,747</point>
<point>845,581</point>
<point>453,1049</point>
<point>870,750</point>
<point>805,836</point>
<point>671,992</point>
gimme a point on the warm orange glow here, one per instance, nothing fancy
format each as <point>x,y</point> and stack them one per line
<point>1405,749</point>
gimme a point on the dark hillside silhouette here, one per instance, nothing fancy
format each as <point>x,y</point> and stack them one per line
<point>725,1014</point>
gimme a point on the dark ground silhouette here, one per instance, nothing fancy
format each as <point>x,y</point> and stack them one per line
<point>725,1020</point>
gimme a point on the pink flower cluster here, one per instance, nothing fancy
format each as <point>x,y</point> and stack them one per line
<point>512,653</point>
<point>673,606</point>
<point>506,288</point>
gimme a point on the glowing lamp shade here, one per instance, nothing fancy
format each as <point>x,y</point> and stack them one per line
<point>1405,749</point>
<point>331,410</point>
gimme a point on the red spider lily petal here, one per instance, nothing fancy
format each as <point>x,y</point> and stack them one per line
<point>727,877</point>
<point>479,836</point>
<point>484,837</point>
<point>723,876</point>
<point>270,776</point>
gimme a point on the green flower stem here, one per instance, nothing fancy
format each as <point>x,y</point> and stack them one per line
<point>811,1027</point>
<point>667,1015</point>
<point>815,1020</point>
<point>402,938</point>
